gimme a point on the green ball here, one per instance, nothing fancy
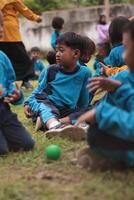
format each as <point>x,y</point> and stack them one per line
<point>53,152</point>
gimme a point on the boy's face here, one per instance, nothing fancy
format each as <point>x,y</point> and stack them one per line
<point>35,55</point>
<point>1,25</point>
<point>65,56</point>
<point>129,50</point>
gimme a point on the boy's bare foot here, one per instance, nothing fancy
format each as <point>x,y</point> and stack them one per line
<point>69,132</point>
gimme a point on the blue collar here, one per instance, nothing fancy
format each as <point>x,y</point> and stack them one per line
<point>69,73</point>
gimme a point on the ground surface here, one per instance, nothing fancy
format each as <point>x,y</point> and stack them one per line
<point>27,176</point>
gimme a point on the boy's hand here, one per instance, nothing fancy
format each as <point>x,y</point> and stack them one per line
<point>37,73</point>
<point>39,19</point>
<point>104,69</point>
<point>88,117</point>
<point>65,120</point>
<point>13,97</point>
<point>104,84</point>
<point>27,111</point>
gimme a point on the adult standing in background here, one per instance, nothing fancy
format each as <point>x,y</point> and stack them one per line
<point>11,42</point>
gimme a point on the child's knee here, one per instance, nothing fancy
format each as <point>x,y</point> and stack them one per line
<point>3,150</point>
<point>29,144</point>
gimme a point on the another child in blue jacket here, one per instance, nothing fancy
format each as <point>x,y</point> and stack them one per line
<point>111,135</point>
<point>13,135</point>
<point>38,64</point>
<point>65,92</point>
<point>51,59</point>
<point>87,52</point>
<point>115,58</point>
<point>57,25</point>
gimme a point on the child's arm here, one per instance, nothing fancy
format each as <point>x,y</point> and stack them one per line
<point>104,84</point>
<point>88,117</point>
<point>16,97</point>
<point>38,89</point>
<point>116,121</point>
<point>85,96</point>
<point>26,12</point>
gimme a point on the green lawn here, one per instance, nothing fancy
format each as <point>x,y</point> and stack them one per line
<point>27,176</point>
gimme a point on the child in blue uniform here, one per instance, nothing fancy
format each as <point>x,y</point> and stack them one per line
<point>102,54</point>
<point>13,135</point>
<point>115,58</point>
<point>51,59</point>
<point>88,50</point>
<point>63,91</point>
<point>112,121</point>
<point>38,65</point>
<point>57,25</point>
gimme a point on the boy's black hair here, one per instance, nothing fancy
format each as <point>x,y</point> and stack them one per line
<point>106,46</point>
<point>116,29</point>
<point>51,57</point>
<point>72,40</point>
<point>129,28</point>
<point>57,22</point>
<point>88,45</point>
<point>35,49</point>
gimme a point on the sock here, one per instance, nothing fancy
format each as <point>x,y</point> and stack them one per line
<point>53,124</point>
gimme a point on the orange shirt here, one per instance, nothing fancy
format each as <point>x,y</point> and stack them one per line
<point>10,18</point>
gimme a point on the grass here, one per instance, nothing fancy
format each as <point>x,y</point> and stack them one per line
<point>27,176</point>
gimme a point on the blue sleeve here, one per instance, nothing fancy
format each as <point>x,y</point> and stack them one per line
<point>10,75</point>
<point>117,121</point>
<point>10,78</point>
<point>42,75</point>
<point>38,89</point>
<point>85,97</point>
<point>115,58</point>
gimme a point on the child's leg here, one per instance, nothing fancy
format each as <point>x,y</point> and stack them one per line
<point>16,135</point>
<point>3,144</point>
<point>48,113</point>
<point>109,146</point>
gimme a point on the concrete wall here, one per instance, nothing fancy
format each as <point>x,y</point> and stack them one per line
<point>80,20</point>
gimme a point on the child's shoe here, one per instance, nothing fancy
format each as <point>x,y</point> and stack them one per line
<point>69,132</point>
<point>86,158</point>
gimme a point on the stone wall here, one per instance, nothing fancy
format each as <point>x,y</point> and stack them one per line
<point>80,20</point>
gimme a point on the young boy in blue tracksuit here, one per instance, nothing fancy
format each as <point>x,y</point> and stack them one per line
<point>112,121</point>
<point>57,25</point>
<point>87,52</point>
<point>38,64</point>
<point>65,92</point>
<point>115,58</point>
<point>102,54</point>
<point>13,135</point>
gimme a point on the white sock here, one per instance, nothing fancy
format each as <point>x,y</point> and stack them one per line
<point>53,124</point>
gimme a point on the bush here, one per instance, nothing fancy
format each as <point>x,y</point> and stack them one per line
<point>42,5</point>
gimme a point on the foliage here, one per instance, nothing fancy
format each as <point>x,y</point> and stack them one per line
<point>42,5</point>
